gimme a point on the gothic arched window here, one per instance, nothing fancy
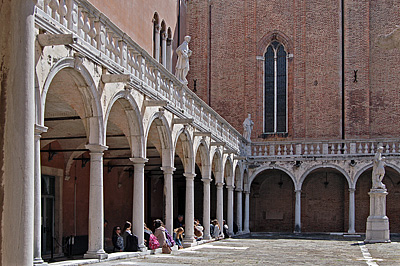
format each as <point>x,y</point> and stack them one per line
<point>275,89</point>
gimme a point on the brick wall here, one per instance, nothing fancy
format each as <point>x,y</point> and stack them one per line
<point>312,29</point>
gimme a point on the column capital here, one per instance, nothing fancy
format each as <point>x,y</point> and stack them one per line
<point>297,190</point>
<point>189,175</point>
<point>139,160</point>
<point>352,189</point>
<point>246,192</point>
<point>164,35</point>
<point>40,129</point>
<point>96,148</point>
<point>239,190</point>
<point>206,180</point>
<point>230,187</point>
<point>168,169</point>
<point>219,185</point>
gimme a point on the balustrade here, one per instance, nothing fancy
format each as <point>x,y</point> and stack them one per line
<point>323,148</point>
<point>122,55</point>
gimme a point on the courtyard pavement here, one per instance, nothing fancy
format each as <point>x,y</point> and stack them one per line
<point>278,249</point>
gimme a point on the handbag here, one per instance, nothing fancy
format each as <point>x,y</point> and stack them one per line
<point>166,249</point>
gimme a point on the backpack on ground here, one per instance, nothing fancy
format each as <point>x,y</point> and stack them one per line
<point>153,242</point>
<point>132,243</point>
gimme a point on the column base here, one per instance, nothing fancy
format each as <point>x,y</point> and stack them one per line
<point>187,243</point>
<point>351,231</point>
<point>143,248</point>
<point>207,237</point>
<point>377,230</point>
<point>246,231</point>
<point>101,255</point>
<point>39,261</point>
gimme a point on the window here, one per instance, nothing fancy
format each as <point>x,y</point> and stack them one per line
<point>275,89</point>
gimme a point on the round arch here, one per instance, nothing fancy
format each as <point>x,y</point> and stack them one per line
<point>134,119</point>
<point>204,153</point>
<point>327,166</point>
<point>188,161</point>
<point>228,171</point>
<point>165,135</point>
<point>369,166</point>
<point>238,174</point>
<point>261,169</point>
<point>90,97</point>
<point>216,153</point>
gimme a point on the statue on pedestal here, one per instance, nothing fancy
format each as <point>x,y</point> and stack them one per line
<point>378,170</point>
<point>182,65</point>
<point>247,128</point>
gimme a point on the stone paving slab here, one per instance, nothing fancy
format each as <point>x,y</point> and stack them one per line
<point>277,249</point>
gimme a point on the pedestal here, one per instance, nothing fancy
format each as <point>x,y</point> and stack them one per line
<point>377,222</point>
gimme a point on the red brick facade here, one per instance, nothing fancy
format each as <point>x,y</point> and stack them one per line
<point>230,77</point>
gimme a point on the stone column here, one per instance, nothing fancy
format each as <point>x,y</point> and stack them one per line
<point>138,200</point>
<point>169,54</point>
<point>239,210</point>
<point>37,238</point>
<point>157,43</point>
<point>96,203</point>
<point>206,208</point>
<point>220,203</point>
<point>164,49</point>
<point>230,210</point>
<point>352,211</point>
<point>246,212</point>
<point>17,120</point>
<point>377,221</point>
<point>297,211</point>
<point>189,240</point>
<point>168,190</point>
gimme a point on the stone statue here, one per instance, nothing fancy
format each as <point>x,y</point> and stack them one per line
<point>182,65</point>
<point>378,170</point>
<point>247,128</point>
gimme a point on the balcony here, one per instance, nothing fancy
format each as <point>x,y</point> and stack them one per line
<point>98,39</point>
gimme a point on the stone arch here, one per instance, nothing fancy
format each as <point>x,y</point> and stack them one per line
<point>134,118</point>
<point>90,95</point>
<point>217,164</point>
<point>165,135</point>
<point>367,167</point>
<point>274,35</point>
<point>331,166</point>
<point>261,169</point>
<point>228,172</point>
<point>238,175</point>
<point>204,152</point>
<point>187,156</point>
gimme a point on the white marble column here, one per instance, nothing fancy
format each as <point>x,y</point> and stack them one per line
<point>169,54</point>
<point>230,210</point>
<point>169,203</point>
<point>37,238</point>
<point>352,211</point>
<point>96,203</point>
<point>17,120</point>
<point>189,239</point>
<point>157,43</point>
<point>297,211</point>
<point>138,200</point>
<point>164,49</point>
<point>246,212</point>
<point>206,207</point>
<point>220,203</point>
<point>239,210</point>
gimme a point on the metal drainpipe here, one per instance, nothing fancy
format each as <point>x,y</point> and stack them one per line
<point>343,74</point>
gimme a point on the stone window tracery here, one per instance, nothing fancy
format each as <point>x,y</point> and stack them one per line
<point>275,88</point>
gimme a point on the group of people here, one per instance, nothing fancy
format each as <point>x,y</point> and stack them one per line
<point>125,240</point>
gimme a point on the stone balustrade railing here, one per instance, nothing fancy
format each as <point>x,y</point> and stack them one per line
<point>104,43</point>
<point>337,148</point>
